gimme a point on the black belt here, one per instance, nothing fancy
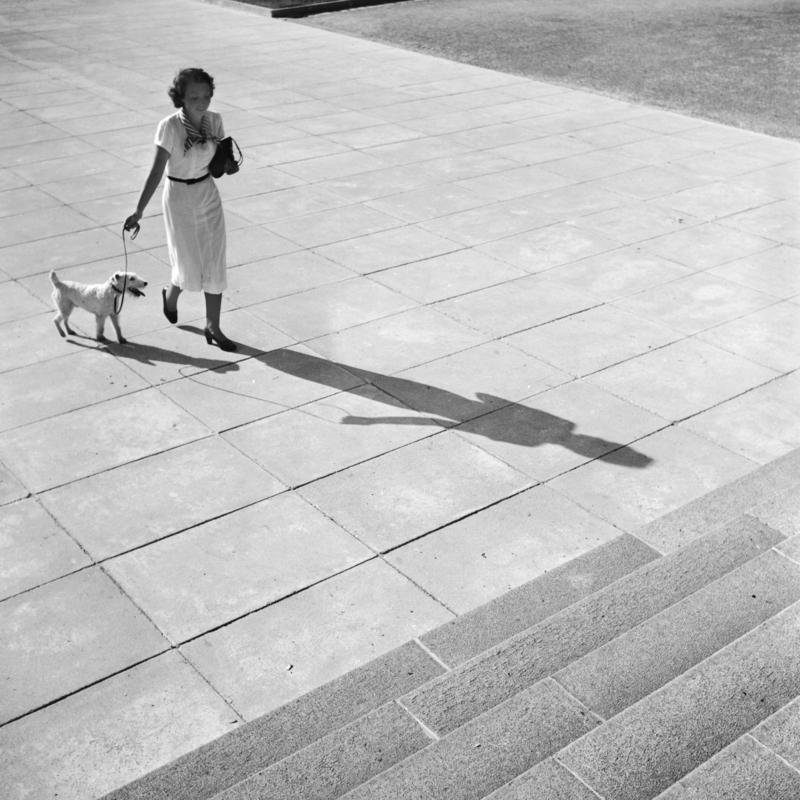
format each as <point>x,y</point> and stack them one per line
<point>190,180</point>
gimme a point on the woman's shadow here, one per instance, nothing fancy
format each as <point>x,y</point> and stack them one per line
<point>515,423</point>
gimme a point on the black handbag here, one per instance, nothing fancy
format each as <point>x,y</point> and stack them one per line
<point>224,161</point>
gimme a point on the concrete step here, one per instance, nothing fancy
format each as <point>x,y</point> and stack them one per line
<point>734,604</point>
<point>256,745</point>
<point>263,742</point>
<point>447,702</point>
<point>744,769</point>
<point>532,694</point>
<point>642,751</point>
<point>523,716</point>
<point>666,645</point>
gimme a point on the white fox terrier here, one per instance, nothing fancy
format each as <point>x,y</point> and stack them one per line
<point>101,299</point>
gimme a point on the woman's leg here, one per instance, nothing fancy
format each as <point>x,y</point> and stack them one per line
<point>169,297</point>
<point>173,293</point>
<point>213,308</point>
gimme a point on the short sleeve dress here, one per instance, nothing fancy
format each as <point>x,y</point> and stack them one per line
<point>193,215</point>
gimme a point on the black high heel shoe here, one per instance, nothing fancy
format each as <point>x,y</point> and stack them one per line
<point>172,316</point>
<point>223,342</point>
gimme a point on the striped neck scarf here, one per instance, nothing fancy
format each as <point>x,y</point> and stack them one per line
<point>194,136</point>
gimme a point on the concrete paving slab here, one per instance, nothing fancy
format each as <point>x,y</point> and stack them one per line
<point>39,391</point>
<point>152,713</point>
<point>636,222</point>
<point>594,339</point>
<point>398,342</point>
<point>447,276</point>
<point>262,386</point>
<point>560,429</point>
<point>380,251</point>
<point>696,302</point>
<point>769,413</point>
<point>549,246</point>
<point>277,654</point>
<point>329,435</point>
<point>409,492</point>
<point>18,303</point>
<point>651,181</point>
<point>25,199</point>
<point>56,252</point>
<point>166,493</point>
<point>10,488</point>
<point>256,243</point>
<point>630,499</point>
<point>780,180</point>
<point>773,271</point>
<point>69,634</point>
<point>484,556</point>
<point>310,314</point>
<point>750,492</point>
<point>708,245</point>
<point>283,201</point>
<point>222,570</point>
<point>682,378</point>
<point>35,550</point>
<point>429,203</point>
<point>471,383</point>
<point>778,221</point>
<point>43,456</point>
<point>518,304</point>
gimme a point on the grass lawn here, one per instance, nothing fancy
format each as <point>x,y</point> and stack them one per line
<point>734,61</point>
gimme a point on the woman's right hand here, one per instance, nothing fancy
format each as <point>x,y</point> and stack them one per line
<point>132,223</point>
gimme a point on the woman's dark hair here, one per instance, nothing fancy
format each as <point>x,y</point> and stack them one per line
<point>186,76</point>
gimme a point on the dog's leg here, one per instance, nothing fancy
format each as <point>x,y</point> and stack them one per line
<point>57,321</point>
<point>115,322</point>
<point>101,326</point>
<point>64,310</point>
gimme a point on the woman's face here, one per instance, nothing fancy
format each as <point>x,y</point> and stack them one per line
<point>196,99</point>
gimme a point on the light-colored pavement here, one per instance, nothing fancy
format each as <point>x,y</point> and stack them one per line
<point>487,324</point>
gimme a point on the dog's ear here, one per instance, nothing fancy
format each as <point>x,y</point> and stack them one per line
<point>117,276</point>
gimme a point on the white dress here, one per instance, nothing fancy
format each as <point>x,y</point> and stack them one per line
<point>193,212</point>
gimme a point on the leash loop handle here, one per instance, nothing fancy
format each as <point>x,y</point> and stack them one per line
<point>133,232</point>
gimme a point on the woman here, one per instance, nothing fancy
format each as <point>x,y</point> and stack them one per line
<point>185,144</point>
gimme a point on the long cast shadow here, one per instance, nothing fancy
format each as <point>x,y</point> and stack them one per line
<point>514,423</point>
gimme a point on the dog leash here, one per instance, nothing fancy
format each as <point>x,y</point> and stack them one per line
<point>121,298</point>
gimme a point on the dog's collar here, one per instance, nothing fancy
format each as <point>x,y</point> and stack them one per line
<point>115,287</point>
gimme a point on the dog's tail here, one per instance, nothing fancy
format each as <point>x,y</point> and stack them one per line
<point>54,278</point>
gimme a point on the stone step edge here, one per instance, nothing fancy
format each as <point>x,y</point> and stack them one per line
<point>217,765</point>
<point>770,731</point>
<point>774,759</point>
<point>303,8</point>
<point>780,687</point>
<point>435,754</point>
<point>719,506</point>
<point>448,700</point>
<point>241,739</point>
